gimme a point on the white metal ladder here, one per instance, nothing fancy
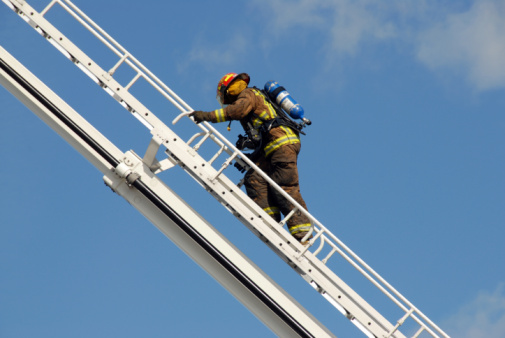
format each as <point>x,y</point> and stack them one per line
<point>308,260</point>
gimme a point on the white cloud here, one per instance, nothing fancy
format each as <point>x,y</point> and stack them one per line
<point>287,14</point>
<point>467,40</point>
<point>354,23</point>
<point>484,317</point>
<point>210,54</point>
<point>344,24</point>
<point>471,43</point>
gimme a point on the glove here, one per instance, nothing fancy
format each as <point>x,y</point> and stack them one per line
<point>200,116</point>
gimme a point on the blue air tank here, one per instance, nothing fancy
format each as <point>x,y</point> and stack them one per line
<point>280,96</point>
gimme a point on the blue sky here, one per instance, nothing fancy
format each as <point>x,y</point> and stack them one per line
<point>404,162</point>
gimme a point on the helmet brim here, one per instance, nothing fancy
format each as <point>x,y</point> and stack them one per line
<point>243,76</point>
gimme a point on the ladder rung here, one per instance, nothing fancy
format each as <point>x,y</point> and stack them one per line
<point>48,7</point>
<point>137,76</point>
<point>325,259</point>
<point>224,166</point>
<point>288,216</point>
<point>204,138</point>
<point>116,66</point>
<point>219,152</point>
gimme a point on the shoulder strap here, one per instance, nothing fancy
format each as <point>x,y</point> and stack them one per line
<point>282,118</point>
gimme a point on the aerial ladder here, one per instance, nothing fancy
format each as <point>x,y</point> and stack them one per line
<point>137,179</point>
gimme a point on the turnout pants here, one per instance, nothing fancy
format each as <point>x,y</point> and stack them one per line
<point>281,167</point>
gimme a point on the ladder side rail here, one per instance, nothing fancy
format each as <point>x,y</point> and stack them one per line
<point>141,70</point>
<point>137,66</point>
<point>335,248</point>
<point>57,114</point>
<point>299,207</point>
<point>253,216</point>
<point>125,56</point>
<point>362,269</point>
<point>305,325</point>
<point>250,213</point>
<point>332,277</point>
<point>92,69</point>
<point>168,212</point>
<point>138,107</point>
<point>413,310</point>
<point>252,165</point>
<point>96,30</point>
<point>114,46</point>
<point>325,230</point>
<point>110,42</point>
<point>360,265</point>
<point>382,284</point>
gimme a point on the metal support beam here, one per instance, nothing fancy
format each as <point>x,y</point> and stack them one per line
<point>132,179</point>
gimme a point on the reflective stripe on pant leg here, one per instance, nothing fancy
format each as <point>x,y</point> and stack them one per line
<point>298,217</point>
<point>257,189</point>
<point>274,212</point>
<point>299,228</point>
<point>284,172</point>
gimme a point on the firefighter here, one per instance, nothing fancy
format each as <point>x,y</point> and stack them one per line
<point>277,148</point>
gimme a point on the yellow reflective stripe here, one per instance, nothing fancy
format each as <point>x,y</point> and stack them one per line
<point>228,77</point>
<point>272,210</point>
<point>289,131</point>
<point>266,115</point>
<point>257,123</point>
<point>299,228</point>
<point>289,138</point>
<point>220,117</point>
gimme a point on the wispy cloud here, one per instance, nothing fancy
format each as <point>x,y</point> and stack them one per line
<point>343,24</point>
<point>287,14</point>
<point>471,43</point>
<point>210,54</point>
<point>484,317</point>
<point>443,36</point>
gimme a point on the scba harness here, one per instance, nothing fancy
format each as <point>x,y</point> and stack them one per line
<point>275,116</point>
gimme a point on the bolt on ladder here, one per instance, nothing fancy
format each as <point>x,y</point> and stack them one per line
<point>304,259</point>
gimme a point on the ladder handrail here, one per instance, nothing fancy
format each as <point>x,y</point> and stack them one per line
<point>89,24</point>
<point>321,231</point>
<point>336,239</point>
<point>120,51</point>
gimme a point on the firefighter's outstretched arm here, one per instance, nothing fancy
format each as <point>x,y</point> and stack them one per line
<point>200,116</point>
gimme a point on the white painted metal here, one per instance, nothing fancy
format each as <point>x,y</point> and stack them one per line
<point>306,262</point>
<point>131,178</point>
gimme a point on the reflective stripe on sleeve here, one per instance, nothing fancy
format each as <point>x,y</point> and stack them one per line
<point>220,117</point>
